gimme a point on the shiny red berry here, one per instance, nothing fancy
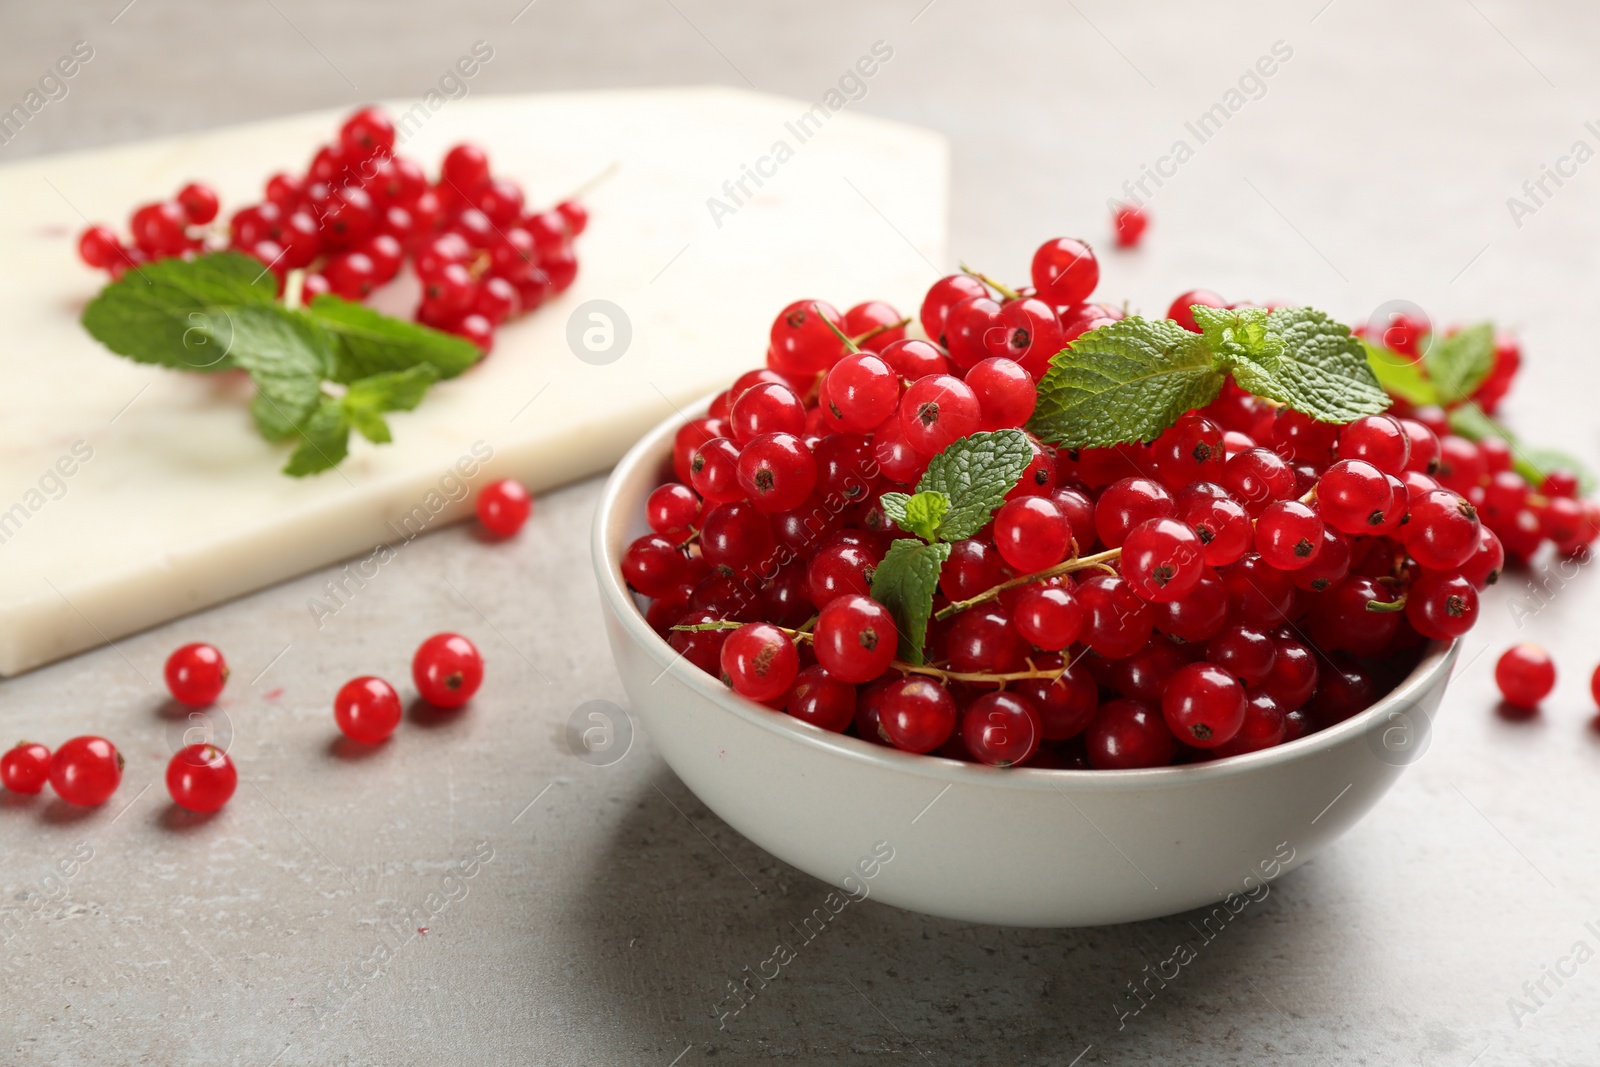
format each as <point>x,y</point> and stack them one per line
<point>855,638</point>
<point>201,778</point>
<point>1001,729</point>
<point>367,709</point>
<point>916,714</point>
<point>1525,674</point>
<point>86,770</point>
<point>196,674</point>
<point>1065,271</point>
<point>759,661</point>
<point>25,768</point>
<point>447,670</point>
<point>504,506</point>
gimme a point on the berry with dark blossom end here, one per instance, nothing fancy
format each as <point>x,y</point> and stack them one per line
<point>1162,560</point>
<point>1288,535</point>
<point>1442,606</point>
<point>802,343</point>
<point>1442,531</point>
<point>759,661</point>
<point>86,770</point>
<point>938,410</point>
<point>1029,332</point>
<point>1221,522</point>
<point>654,565</point>
<point>1204,705</point>
<point>855,638</point>
<point>1354,497</point>
<point>776,472</point>
<point>447,669</point>
<point>941,297</point>
<point>1127,503</point>
<point>1190,450</point>
<point>1001,729</point>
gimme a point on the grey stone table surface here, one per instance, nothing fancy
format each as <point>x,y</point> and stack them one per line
<point>472,892</point>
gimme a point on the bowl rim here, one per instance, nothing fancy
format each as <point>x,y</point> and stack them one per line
<point>1432,669</point>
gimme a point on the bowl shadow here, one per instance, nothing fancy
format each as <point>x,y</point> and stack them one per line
<point>693,919</point>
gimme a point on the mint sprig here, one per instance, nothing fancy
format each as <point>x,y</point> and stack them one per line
<point>956,497</point>
<point>1533,463</point>
<point>1128,381</point>
<point>220,312</point>
<point>1459,363</point>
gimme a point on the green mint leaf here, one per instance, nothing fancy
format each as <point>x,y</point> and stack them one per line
<point>1533,463</point>
<point>285,353</point>
<point>1127,381</point>
<point>1238,333</point>
<point>324,440</point>
<point>366,342</point>
<point>974,474</point>
<point>1458,364</point>
<point>918,514</point>
<point>905,583</point>
<point>367,399</point>
<point>157,314</point>
<point>1400,375</point>
<point>1321,370</point>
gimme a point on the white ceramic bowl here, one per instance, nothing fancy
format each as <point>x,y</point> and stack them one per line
<point>1016,847</point>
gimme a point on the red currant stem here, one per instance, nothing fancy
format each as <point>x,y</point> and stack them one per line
<point>1538,500</point>
<point>1387,607</point>
<point>801,636</point>
<point>1310,497</point>
<point>850,346</point>
<point>999,287</point>
<point>1075,563</point>
<point>593,183</point>
<point>876,330</point>
<point>694,535</point>
<point>294,284</point>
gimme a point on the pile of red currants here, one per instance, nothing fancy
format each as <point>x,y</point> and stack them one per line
<point>1248,577</point>
<point>359,212</point>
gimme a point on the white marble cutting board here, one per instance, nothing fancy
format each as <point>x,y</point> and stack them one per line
<point>180,504</point>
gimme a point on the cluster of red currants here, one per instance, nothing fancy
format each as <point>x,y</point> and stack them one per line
<point>360,211</point>
<point>201,777</point>
<point>1250,576</point>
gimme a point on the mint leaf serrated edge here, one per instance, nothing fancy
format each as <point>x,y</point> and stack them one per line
<point>1126,381</point>
<point>1321,369</point>
<point>919,515</point>
<point>905,583</point>
<point>974,474</point>
<point>367,342</point>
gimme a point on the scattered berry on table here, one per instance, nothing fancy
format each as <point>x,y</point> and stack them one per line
<point>447,670</point>
<point>196,674</point>
<point>1129,222</point>
<point>201,778</point>
<point>86,770</point>
<point>25,767</point>
<point>367,709</point>
<point>1525,674</point>
<point>504,506</point>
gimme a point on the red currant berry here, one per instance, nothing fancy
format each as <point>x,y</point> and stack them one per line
<point>1162,560</point>
<point>1256,477</point>
<point>1065,703</point>
<point>1005,392</point>
<point>1029,333</point>
<point>504,506</point>
<point>1299,438</point>
<point>1461,464</point>
<point>1221,522</point>
<point>1243,651</point>
<point>1288,535</point>
<point>1126,504</point>
<point>1293,677</point>
<point>759,662</point>
<point>673,506</point>
<point>942,296</point>
<point>1129,223</point>
<point>822,700</point>
<point>1379,439</point>
<point>1442,531</point>
<point>1128,734</point>
<point>1265,725</point>
<point>874,325</point>
<point>447,670</point>
<point>973,567</point>
<point>1031,533</point>
<point>912,359</point>
<point>1525,674</point>
<point>968,327</point>
<point>861,391</point>
<point>196,674</point>
<point>367,133</point>
<point>1257,592</point>
<point>1424,454</point>
<point>896,459</point>
<point>1330,562</point>
<point>1048,616</point>
<point>1117,621</point>
<point>1483,568</point>
<point>1001,729</point>
<point>367,709</point>
<point>983,640</point>
<point>1345,619</point>
<point>1180,311</point>
<point>575,215</point>
<point>803,345</point>
<point>938,410</point>
<point>714,471</point>
<point>98,247</point>
<point>916,714</point>
<point>201,778</point>
<point>1190,450</point>
<point>25,768</point>
<point>766,408</point>
<point>199,203</point>
<point>465,168</point>
<point>1442,606</point>
<point>703,648</point>
<point>1354,497</point>
<point>86,771</point>
<point>1197,616</point>
<point>775,472</point>
<point>855,638</point>
<point>1065,271</point>
<point>158,229</point>
<point>1204,705</point>
<point>839,570</point>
